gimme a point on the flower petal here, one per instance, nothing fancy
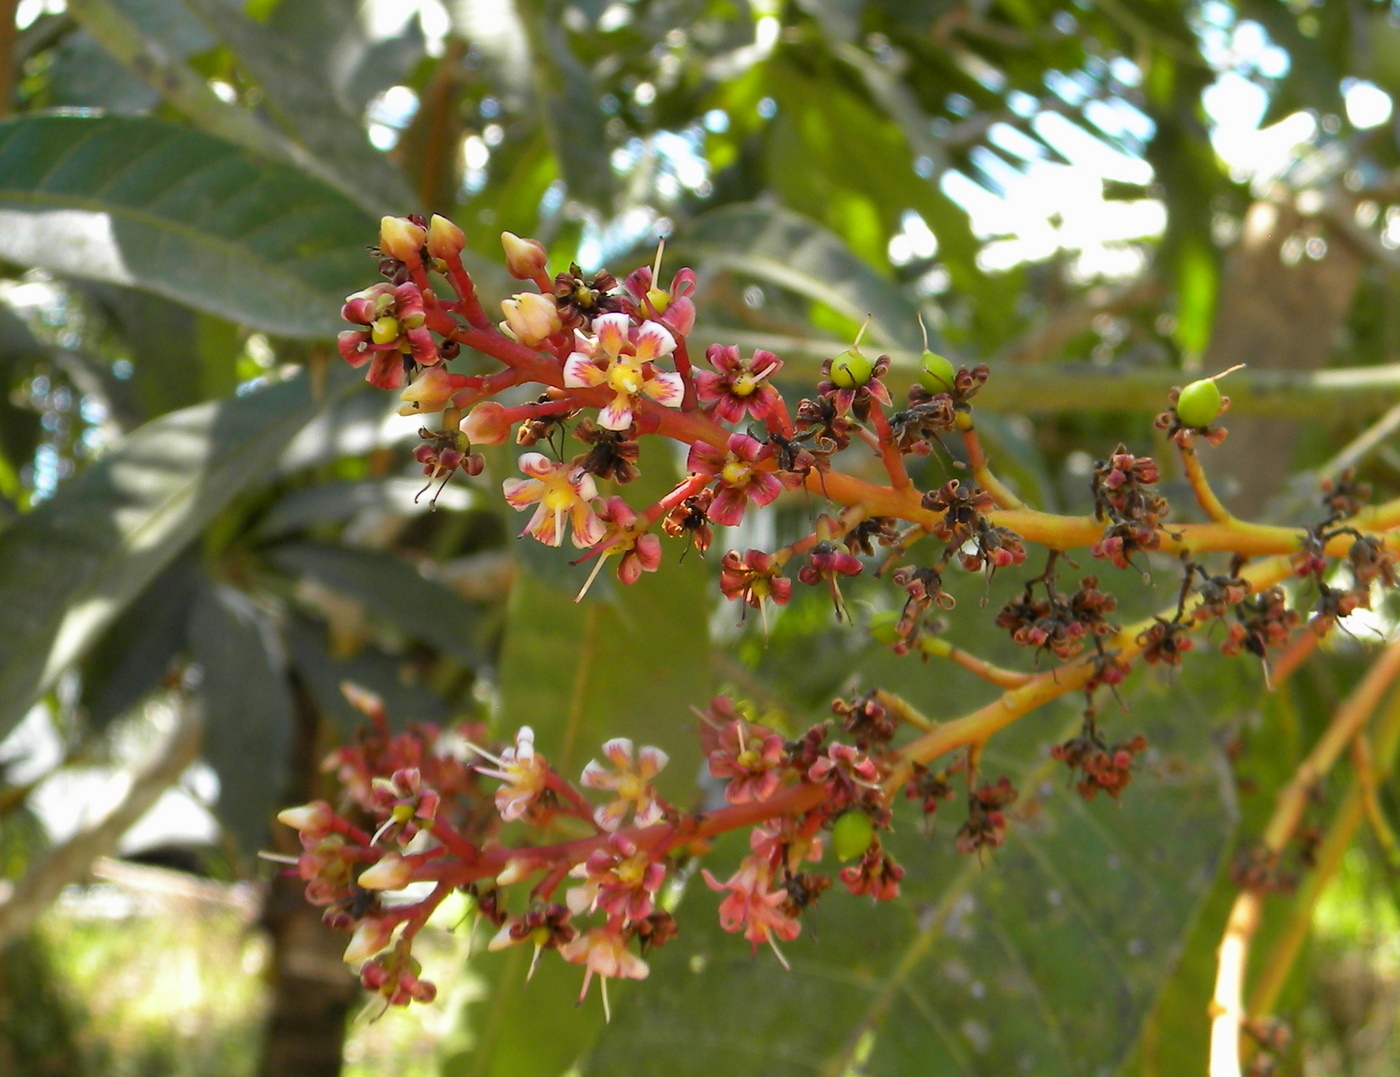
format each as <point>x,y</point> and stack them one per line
<point>619,751</point>
<point>667,389</point>
<point>521,493</point>
<point>611,332</point>
<point>579,372</point>
<point>588,528</point>
<point>651,761</point>
<point>536,464</point>
<point>763,487</point>
<point>728,506</point>
<point>653,341</point>
<point>618,414</point>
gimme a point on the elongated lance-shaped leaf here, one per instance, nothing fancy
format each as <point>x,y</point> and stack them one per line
<point>293,76</point>
<point>182,214</point>
<point>248,711</point>
<point>70,567</point>
<point>791,251</point>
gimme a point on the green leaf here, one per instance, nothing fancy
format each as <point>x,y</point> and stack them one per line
<point>293,71</point>
<point>136,651</point>
<point>578,674</point>
<point>323,673</point>
<point>393,589</point>
<point>70,567</point>
<point>182,214</point>
<point>1043,957</point>
<point>783,248</point>
<point>248,711</point>
<point>330,502</point>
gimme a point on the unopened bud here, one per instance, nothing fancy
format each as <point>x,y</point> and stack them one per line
<point>369,938</point>
<point>525,258</point>
<point>430,391</point>
<point>400,238</point>
<point>531,318</point>
<point>313,817</point>
<point>487,424</point>
<point>445,239</point>
<point>392,872</point>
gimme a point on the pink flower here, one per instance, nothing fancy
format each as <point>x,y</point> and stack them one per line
<point>674,308</point>
<point>739,480</point>
<point>603,951</point>
<point>526,775</point>
<point>640,550</point>
<point>751,758</point>
<point>393,335</point>
<point>561,490</point>
<point>626,366</point>
<point>754,907</point>
<point>631,782</point>
<point>739,386</point>
<point>755,577</point>
<point>620,880</point>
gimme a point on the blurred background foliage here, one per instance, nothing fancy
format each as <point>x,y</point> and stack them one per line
<point>206,524</point>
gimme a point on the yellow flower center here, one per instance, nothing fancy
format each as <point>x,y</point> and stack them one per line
<point>735,472</point>
<point>744,385</point>
<point>559,496</point>
<point>631,870</point>
<point>625,377</point>
<point>630,787</point>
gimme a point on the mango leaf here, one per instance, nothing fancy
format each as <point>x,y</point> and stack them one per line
<point>293,72</point>
<point>579,674</point>
<point>136,651</point>
<point>70,567</point>
<point>335,501</point>
<point>1041,958</point>
<point>182,214</point>
<point>324,673</point>
<point>791,251</point>
<point>393,589</point>
<point>248,712</point>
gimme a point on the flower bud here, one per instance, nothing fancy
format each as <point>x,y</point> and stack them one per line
<point>400,238</point>
<point>525,258</point>
<point>431,391</point>
<point>531,318</point>
<point>392,872</point>
<point>369,938</point>
<point>445,239</point>
<point>309,818</point>
<point>487,424</point>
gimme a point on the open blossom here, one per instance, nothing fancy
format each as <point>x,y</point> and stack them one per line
<point>603,951</point>
<point>526,775</point>
<point>626,368</point>
<point>630,782</point>
<point>740,480</point>
<point>674,308</point>
<point>740,385</point>
<point>620,879</point>
<point>392,333</point>
<point>755,577</point>
<point>562,490</point>
<point>754,905</point>
<point>751,757</point>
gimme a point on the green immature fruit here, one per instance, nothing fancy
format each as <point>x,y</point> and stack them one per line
<point>936,373</point>
<point>851,370</point>
<point>884,626</point>
<point>852,834</point>
<point>1199,403</point>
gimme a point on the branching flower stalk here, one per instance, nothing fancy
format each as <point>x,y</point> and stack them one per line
<point>550,864</point>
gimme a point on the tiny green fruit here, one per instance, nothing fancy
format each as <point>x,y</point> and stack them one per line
<point>884,626</point>
<point>851,370</point>
<point>936,373</point>
<point>1199,403</point>
<point>852,834</point>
